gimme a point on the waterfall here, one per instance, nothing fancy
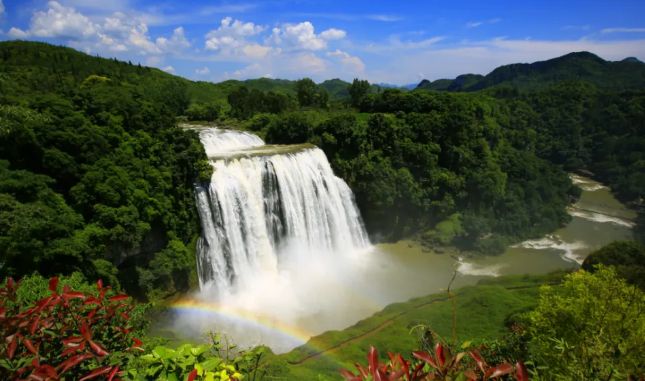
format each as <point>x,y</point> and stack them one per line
<point>263,201</point>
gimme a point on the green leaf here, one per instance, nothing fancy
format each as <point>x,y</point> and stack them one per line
<point>196,351</point>
<point>164,353</point>
<point>211,364</point>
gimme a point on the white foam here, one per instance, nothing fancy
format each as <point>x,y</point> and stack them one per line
<point>554,242</point>
<point>466,268</point>
<point>599,217</point>
<point>586,184</point>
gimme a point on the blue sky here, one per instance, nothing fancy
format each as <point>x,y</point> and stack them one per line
<point>396,42</point>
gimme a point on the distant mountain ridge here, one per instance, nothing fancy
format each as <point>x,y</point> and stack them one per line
<point>578,66</point>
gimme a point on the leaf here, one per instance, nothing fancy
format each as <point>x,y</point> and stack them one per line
<point>520,372</point>
<point>425,356</point>
<point>73,295</point>
<point>439,354</point>
<point>30,346</point>
<point>478,359</point>
<point>98,349</point>
<point>73,361</point>
<point>211,364</point>
<point>47,370</point>
<point>118,298</point>
<point>11,348</point>
<point>499,370</point>
<point>137,343</point>
<point>53,284</point>
<point>34,325</point>
<point>164,353</point>
<point>96,372</point>
<point>113,373</point>
<point>73,341</point>
<point>372,358</point>
<point>192,375</point>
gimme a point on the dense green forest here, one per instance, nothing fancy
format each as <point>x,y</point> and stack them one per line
<point>94,175</point>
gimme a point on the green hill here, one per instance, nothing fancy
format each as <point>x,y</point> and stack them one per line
<point>580,66</point>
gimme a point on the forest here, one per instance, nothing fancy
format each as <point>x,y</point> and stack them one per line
<point>97,188</point>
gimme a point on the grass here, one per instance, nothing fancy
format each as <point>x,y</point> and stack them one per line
<point>480,310</point>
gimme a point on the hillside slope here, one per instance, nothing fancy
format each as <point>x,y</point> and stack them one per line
<point>579,66</point>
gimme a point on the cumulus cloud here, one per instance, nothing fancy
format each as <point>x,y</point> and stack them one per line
<point>17,33</point>
<point>303,36</point>
<point>168,69</point>
<point>116,33</point>
<point>202,71</point>
<point>231,34</point>
<point>351,63</point>
<point>59,21</point>
<point>333,34</point>
<point>176,42</point>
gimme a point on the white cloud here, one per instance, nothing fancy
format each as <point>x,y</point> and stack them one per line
<point>351,63</point>
<point>231,39</point>
<point>622,30</point>
<point>256,51</point>
<point>168,69</point>
<point>116,33</point>
<point>177,41</point>
<point>475,24</point>
<point>384,18</point>
<point>18,33</point>
<point>202,71</point>
<point>302,36</point>
<point>60,21</point>
<point>333,34</point>
<point>1,7</point>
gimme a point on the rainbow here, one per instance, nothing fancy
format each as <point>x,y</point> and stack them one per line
<point>224,312</point>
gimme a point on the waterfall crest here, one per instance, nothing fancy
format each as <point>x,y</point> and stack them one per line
<point>263,201</point>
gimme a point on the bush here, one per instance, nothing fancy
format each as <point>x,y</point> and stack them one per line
<point>67,334</point>
<point>440,365</point>
<point>592,327</point>
<point>627,257</point>
<point>201,362</point>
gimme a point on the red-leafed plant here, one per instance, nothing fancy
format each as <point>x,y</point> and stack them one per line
<point>68,334</point>
<point>440,365</point>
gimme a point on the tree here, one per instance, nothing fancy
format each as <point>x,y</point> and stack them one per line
<point>310,95</point>
<point>627,257</point>
<point>358,90</point>
<point>306,90</point>
<point>592,327</point>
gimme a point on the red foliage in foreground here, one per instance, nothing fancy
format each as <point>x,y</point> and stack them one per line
<point>440,365</point>
<point>70,334</point>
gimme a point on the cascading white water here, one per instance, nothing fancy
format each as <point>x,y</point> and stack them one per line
<point>260,204</point>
